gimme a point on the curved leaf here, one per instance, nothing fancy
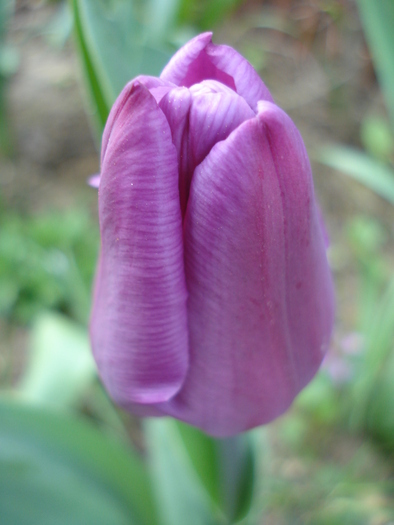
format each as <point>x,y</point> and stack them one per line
<point>61,470</point>
<point>375,175</point>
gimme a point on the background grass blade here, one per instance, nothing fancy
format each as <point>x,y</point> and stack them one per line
<point>377,17</point>
<point>375,175</point>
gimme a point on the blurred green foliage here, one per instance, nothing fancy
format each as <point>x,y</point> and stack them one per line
<point>378,20</point>
<point>372,391</point>
<point>8,65</point>
<point>376,175</point>
<point>322,466</point>
<point>204,14</point>
<point>375,169</point>
<point>46,261</point>
<point>377,137</point>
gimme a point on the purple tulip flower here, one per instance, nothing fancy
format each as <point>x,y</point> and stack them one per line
<point>213,298</point>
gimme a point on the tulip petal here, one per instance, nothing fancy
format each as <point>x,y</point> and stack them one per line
<point>260,304</point>
<point>213,116</point>
<point>190,65</point>
<point>248,84</point>
<point>199,118</point>
<point>139,319</point>
<point>200,60</point>
<point>94,180</point>
<point>176,105</point>
<point>157,87</point>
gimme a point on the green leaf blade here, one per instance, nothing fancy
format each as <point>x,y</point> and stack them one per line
<point>376,175</point>
<point>62,470</point>
<point>377,17</point>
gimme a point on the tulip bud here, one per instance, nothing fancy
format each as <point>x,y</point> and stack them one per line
<point>213,298</point>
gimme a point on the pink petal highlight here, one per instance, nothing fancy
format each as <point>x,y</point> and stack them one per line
<point>94,180</point>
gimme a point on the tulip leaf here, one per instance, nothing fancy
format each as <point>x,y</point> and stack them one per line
<point>377,18</point>
<point>226,468</point>
<point>181,498</point>
<point>374,174</point>
<point>378,353</point>
<point>8,65</point>
<point>101,107</point>
<point>114,48</point>
<point>61,366</point>
<point>161,16</point>
<point>199,477</point>
<point>57,469</point>
<point>379,417</point>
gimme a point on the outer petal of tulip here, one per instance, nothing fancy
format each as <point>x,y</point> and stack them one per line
<point>260,305</point>
<point>200,60</point>
<point>157,87</point>
<point>139,320</point>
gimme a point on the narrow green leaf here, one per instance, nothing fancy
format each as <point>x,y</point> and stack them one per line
<point>56,469</point>
<point>379,417</point>
<point>114,48</point>
<point>378,348</point>
<point>225,468</point>
<point>202,452</point>
<point>180,496</point>
<point>117,45</point>
<point>101,106</point>
<point>375,175</point>
<point>377,17</point>
<point>9,61</point>
<point>109,30</point>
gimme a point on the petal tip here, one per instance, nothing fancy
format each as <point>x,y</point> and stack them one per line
<point>94,180</point>
<point>154,396</point>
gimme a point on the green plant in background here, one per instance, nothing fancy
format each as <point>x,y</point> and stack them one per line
<point>46,261</point>
<point>377,19</point>
<point>373,393</point>
<point>8,66</point>
<point>375,168</point>
<point>204,14</point>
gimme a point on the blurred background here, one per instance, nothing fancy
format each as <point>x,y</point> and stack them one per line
<point>330,65</point>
